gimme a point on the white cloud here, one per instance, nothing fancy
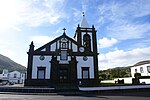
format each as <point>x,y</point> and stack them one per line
<point>128,31</point>
<point>115,10</point>
<point>121,58</point>
<point>15,14</point>
<point>31,12</point>
<point>41,40</point>
<point>39,12</point>
<point>85,5</point>
<point>105,42</point>
<point>77,14</point>
<point>119,18</point>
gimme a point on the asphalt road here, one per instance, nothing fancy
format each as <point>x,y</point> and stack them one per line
<point>122,96</point>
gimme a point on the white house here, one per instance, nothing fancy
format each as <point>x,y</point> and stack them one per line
<point>4,74</point>
<point>65,60</point>
<point>15,77</point>
<point>142,67</point>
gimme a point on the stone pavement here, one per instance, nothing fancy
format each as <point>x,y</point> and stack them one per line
<point>111,96</point>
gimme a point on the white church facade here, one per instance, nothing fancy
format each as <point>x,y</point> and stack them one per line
<point>65,60</point>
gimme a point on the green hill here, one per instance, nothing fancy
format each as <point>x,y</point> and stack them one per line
<point>118,72</point>
<point>7,63</point>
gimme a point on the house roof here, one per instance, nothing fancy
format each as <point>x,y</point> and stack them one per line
<point>142,63</point>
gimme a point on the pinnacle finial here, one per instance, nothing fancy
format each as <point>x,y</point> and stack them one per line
<point>32,43</point>
<point>84,23</point>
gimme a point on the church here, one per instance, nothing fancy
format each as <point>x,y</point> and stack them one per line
<point>65,60</point>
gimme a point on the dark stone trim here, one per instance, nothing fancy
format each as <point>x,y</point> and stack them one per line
<point>55,40</point>
<point>79,39</point>
<point>88,82</point>
<point>69,53</point>
<point>39,82</point>
<point>30,61</point>
<point>95,51</point>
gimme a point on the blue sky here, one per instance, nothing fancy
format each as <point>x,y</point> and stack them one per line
<point>123,27</point>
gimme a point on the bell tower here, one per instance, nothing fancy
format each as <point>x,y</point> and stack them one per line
<point>86,36</point>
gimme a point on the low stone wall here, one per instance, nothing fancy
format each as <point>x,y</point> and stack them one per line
<point>27,90</point>
<point>145,81</point>
<point>127,87</point>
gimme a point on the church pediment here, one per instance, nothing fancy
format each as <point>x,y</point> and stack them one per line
<point>61,42</point>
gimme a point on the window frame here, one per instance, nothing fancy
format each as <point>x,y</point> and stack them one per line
<point>135,70</point>
<point>43,69</point>
<point>15,75</point>
<point>141,70</point>
<point>62,55</point>
<point>148,69</point>
<point>64,45</point>
<point>88,72</point>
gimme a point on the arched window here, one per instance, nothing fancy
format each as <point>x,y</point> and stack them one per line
<point>64,45</point>
<point>87,42</point>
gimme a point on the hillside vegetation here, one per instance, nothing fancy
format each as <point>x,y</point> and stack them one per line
<point>118,72</point>
<point>7,63</point>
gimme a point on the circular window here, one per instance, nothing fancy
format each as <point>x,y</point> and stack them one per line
<point>42,57</point>
<point>85,58</point>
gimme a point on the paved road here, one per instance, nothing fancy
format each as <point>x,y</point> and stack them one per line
<point>124,96</point>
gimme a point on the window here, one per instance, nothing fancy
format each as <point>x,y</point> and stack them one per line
<point>64,45</point>
<point>148,69</point>
<point>135,70</point>
<point>85,72</point>
<point>141,70</point>
<point>41,73</point>
<point>15,75</point>
<point>63,55</point>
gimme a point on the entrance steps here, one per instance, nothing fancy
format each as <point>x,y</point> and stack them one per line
<point>66,87</point>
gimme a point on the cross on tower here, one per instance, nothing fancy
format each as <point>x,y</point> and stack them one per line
<point>64,30</point>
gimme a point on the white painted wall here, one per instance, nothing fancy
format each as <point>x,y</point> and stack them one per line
<point>63,61</point>
<point>53,47</point>
<point>4,74</point>
<point>146,81</point>
<point>145,73</point>
<point>127,80</point>
<point>74,47</point>
<point>69,44</point>
<point>81,63</point>
<point>44,63</point>
<point>43,49</point>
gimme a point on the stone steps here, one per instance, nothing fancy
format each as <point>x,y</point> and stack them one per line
<point>66,88</point>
